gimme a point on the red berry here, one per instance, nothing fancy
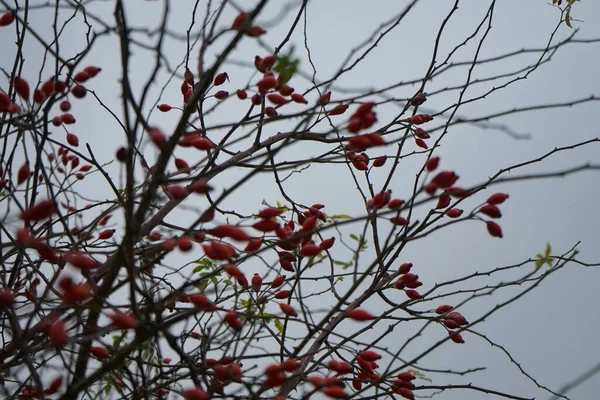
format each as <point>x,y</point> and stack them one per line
<point>400,221</point>
<point>253,245</point>
<point>7,298</point>
<point>202,143</point>
<point>494,229</point>
<point>201,301</point>
<point>255,31</point>
<point>100,352</point>
<point>288,310</point>
<point>123,321</point>
<point>181,164</point>
<point>184,243</point>
<point>406,376</point>
<point>106,234</point>
<point>257,99</point>
<point>220,78</point>
<point>24,173</point>
<point>41,210</point>
<point>267,83</point>
<point>21,87</point>
<point>240,20</point>
<point>201,186</point>
<point>221,94</point>
<point>310,250</point>
<point>395,204</point>
<point>81,77</point>
<point>68,119</point>
<point>335,392</point>
<point>282,294</point>
<point>369,355</point>
<point>231,231</point>
<point>443,309</point>
<point>65,106</point>
<point>433,163</point>
<point>176,191</point>
<point>54,386</point>
<point>58,334</point>
<point>285,90</point>
<point>79,91</point>
<point>443,202</point>
<point>422,133</point>
<point>497,198</point>
<point>421,143</point>
<point>266,225</point>
<point>456,337</point>
<point>72,139</point>
<point>277,282</point>
<point>298,98</point>
<point>379,161</point>
<point>277,99</point>
<point>359,314</point>
<point>7,18</point>
<point>195,394</point>
<point>242,95</point>
<point>327,243</point>
<point>338,110</point>
<point>454,212</point>
<point>406,393</point>
<point>404,268</point>
<point>164,107</point>
<point>413,294</point>
<point>92,70</point>
<point>444,179</point>
<point>491,211</point>
<point>268,61</point>
<point>325,99</point>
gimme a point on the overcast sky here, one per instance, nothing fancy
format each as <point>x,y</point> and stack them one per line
<point>551,332</point>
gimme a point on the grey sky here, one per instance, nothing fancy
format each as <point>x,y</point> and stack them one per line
<point>552,331</point>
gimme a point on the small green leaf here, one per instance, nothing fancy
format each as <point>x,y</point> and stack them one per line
<point>546,258</point>
<point>278,325</point>
<point>286,66</point>
<point>342,263</point>
<point>353,236</point>
<point>340,216</point>
<point>568,18</point>
<point>419,375</point>
<point>268,317</point>
<point>203,284</point>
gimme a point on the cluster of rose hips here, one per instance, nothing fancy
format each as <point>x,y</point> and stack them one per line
<point>452,320</point>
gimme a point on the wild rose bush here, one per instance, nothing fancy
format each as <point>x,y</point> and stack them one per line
<point>191,248</point>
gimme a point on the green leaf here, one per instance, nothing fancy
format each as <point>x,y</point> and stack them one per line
<point>286,66</point>
<point>342,263</point>
<point>568,18</point>
<point>202,285</point>
<point>546,258</point>
<point>268,317</point>
<point>340,216</point>
<point>199,268</point>
<point>353,236</point>
<point>278,325</point>
<point>419,375</point>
